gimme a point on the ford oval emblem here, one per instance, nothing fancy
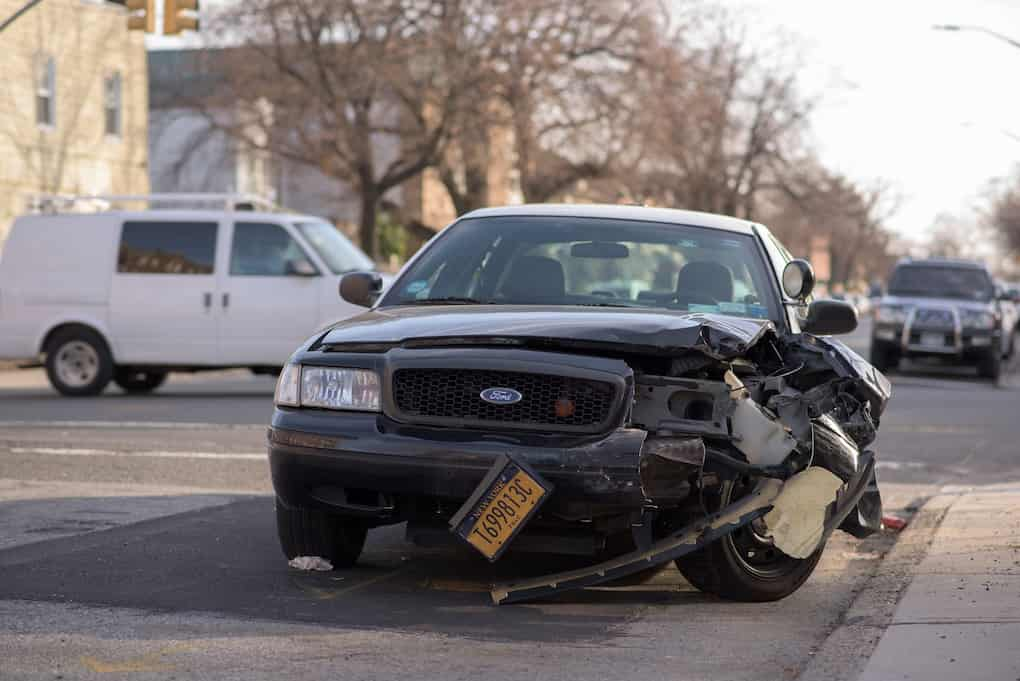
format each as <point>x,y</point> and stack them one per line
<point>501,396</point>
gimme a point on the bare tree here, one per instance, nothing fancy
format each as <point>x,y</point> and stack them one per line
<point>1004,215</point>
<point>363,90</point>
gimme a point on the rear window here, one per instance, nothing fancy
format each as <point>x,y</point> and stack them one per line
<point>932,281</point>
<point>167,248</point>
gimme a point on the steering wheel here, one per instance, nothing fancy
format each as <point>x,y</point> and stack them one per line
<point>696,297</point>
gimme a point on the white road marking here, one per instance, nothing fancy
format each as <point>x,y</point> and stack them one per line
<point>70,451</point>
<point>898,465</point>
<point>145,425</point>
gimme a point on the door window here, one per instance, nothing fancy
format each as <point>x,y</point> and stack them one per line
<point>264,250</point>
<point>152,247</point>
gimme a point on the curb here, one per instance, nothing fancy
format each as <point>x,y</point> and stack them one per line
<point>847,649</point>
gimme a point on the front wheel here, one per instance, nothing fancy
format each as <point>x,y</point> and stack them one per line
<point>745,565</point>
<point>311,532</point>
<point>78,362</point>
<point>990,365</point>
<point>883,357</point>
<point>136,382</point>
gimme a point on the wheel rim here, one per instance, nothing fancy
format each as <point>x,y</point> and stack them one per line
<point>76,364</point>
<point>751,547</point>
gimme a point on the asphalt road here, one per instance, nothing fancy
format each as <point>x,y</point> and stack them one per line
<point>137,539</point>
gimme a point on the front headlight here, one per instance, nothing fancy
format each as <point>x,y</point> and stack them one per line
<point>978,319</point>
<point>890,314</point>
<point>328,388</point>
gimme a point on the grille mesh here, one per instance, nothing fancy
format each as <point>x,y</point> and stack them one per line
<point>933,318</point>
<point>426,394</point>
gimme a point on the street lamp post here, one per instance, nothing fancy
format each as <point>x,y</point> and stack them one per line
<point>979,29</point>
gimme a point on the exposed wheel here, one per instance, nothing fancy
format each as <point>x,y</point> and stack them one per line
<point>990,365</point>
<point>883,357</point>
<point>136,382</point>
<point>310,532</point>
<point>78,362</point>
<point>744,565</point>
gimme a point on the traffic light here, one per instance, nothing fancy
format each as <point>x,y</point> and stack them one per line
<point>180,15</point>
<point>141,15</point>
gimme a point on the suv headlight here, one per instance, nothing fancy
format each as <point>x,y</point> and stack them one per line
<point>890,314</point>
<point>328,388</point>
<point>978,319</point>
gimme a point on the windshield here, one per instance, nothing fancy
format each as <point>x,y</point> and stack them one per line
<point>592,262</point>
<point>339,254</point>
<point>929,281</point>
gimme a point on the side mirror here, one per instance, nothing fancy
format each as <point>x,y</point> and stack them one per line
<point>798,279</point>
<point>360,288</point>
<point>830,318</point>
<point>300,267</point>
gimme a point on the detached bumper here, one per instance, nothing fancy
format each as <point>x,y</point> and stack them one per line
<point>366,465</point>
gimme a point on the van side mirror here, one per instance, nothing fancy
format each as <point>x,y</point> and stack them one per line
<point>360,288</point>
<point>798,279</point>
<point>299,267</point>
<point>830,318</point>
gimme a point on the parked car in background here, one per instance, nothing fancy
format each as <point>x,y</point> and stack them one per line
<point>946,309</point>
<point>131,295</point>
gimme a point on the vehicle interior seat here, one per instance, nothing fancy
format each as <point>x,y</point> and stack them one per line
<point>705,278</point>
<point>534,278</point>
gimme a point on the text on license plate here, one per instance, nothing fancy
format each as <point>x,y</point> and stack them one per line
<point>507,508</point>
<point>934,340</point>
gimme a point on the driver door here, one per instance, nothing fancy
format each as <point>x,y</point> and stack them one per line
<point>269,298</point>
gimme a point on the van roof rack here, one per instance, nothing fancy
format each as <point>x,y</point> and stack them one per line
<point>97,203</point>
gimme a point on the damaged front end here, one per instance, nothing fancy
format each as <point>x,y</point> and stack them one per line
<point>748,433</point>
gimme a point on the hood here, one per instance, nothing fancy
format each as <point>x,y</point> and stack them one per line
<point>717,335</point>
<point>919,301</point>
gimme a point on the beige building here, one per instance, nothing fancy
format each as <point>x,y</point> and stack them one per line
<point>73,103</point>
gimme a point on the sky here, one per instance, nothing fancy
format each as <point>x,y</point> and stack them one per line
<point>929,111</point>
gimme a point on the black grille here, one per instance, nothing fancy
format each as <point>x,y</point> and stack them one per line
<point>425,395</point>
<point>933,318</point>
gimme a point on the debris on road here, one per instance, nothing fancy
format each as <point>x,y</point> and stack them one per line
<point>310,563</point>
<point>893,523</point>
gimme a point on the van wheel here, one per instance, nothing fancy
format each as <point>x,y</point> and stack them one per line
<point>136,382</point>
<point>310,532</point>
<point>744,565</point>
<point>78,362</point>
<point>990,365</point>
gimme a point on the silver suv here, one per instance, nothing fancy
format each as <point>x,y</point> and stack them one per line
<point>947,309</point>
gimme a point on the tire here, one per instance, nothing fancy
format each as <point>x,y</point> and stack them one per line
<point>723,568</point>
<point>78,362</point>
<point>138,382</point>
<point>310,532</point>
<point>990,365</point>
<point>883,357</point>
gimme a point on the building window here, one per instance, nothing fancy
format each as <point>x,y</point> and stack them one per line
<point>46,92</point>
<point>111,103</point>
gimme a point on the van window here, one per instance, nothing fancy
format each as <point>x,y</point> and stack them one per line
<point>167,248</point>
<point>263,250</point>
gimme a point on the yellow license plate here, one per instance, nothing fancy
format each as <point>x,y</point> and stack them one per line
<point>500,507</point>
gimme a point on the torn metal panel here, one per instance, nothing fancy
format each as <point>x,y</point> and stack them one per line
<point>682,405</point>
<point>686,540</point>
<point>797,520</point>
<point>667,465</point>
<point>759,436</point>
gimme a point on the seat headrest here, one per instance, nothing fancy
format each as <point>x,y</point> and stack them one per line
<point>706,277</point>
<point>535,277</point>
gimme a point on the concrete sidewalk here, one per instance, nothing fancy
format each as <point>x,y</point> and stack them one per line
<point>960,616</point>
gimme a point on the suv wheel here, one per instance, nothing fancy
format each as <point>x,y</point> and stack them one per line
<point>990,365</point>
<point>310,532</point>
<point>744,565</point>
<point>135,382</point>
<point>883,357</point>
<point>78,362</point>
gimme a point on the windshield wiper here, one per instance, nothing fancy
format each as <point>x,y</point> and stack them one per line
<point>449,300</point>
<point>604,305</point>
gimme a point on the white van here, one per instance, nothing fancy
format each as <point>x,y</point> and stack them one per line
<point>130,295</point>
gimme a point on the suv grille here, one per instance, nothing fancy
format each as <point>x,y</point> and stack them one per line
<point>442,395</point>
<point>933,318</point>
